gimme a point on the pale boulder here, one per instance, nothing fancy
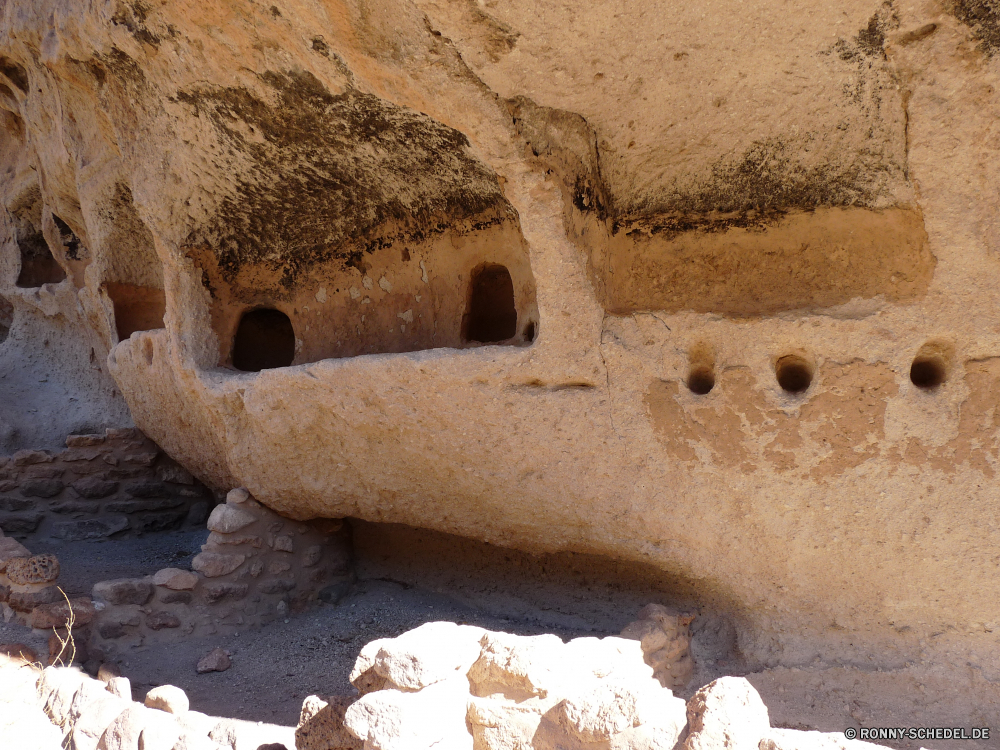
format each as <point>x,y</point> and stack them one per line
<point>140,728</point>
<point>227,519</point>
<point>168,698</point>
<point>612,706</point>
<point>237,496</point>
<point>215,564</point>
<point>428,654</point>
<point>91,712</point>
<point>517,667</point>
<point>26,727</point>
<point>430,718</point>
<point>727,714</point>
<point>120,686</point>
<point>791,739</point>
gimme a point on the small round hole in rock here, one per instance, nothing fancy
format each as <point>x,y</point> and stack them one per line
<point>492,313</point>
<point>701,380</point>
<point>264,340</point>
<point>529,331</point>
<point>794,373</point>
<point>928,372</point>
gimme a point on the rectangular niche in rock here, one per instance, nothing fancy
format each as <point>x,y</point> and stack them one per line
<point>137,308</point>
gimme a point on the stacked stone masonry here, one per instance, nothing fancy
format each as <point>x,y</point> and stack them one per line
<point>255,567</point>
<point>118,483</point>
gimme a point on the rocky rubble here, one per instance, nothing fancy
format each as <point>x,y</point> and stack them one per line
<point>452,686</point>
<point>60,707</point>
<point>442,686</point>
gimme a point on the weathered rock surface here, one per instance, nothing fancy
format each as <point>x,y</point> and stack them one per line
<point>614,280</point>
<point>34,569</point>
<point>321,724</point>
<point>729,714</point>
<point>215,660</point>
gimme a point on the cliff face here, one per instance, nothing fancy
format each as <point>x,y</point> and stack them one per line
<point>706,287</point>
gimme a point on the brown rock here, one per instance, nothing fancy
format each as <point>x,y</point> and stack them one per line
<point>44,488</point>
<point>19,651</point>
<point>160,620</point>
<point>26,601</point>
<point>20,523</point>
<point>124,591</point>
<point>175,597</point>
<point>34,569</point>
<point>84,441</point>
<point>29,457</point>
<point>175,579</point>
<point>57,615</point>
<point>283,544</point>
<point>215,564</point>
<point>216,592</point>
<point>93,488</point>
<point>215,660</point>
<point>108,670</point>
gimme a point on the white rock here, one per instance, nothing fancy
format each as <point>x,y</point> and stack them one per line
<point>227,519</point>
<point>517,667</point>
<point>238,495</point>
<point>26,727</point>
<point>234,734</point>
<point>167,698</point>
<point>791,739</point>
<point>175,579</point>
<point>614,705</point>
<point>430,718</point>
<point>123,733</point>
<point>57,687</point>
<point>428,654</point>
<point>499,724</point>
<point>727,714</point>
<point>91,713</point>
<point>119,686</point>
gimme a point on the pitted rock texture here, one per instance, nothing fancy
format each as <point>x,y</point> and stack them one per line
<point>707,288</point>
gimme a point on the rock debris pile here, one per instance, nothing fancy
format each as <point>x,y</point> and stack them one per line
<point>458,687</point>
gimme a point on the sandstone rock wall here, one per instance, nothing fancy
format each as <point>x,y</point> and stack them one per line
<point>749,334</point>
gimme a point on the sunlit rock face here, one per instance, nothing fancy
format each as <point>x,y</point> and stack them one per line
<point>710,288</point>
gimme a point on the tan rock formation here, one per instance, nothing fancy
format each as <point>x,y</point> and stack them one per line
<point>704,287</point>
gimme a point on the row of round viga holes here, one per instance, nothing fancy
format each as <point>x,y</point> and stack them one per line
<point>795,374</point>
